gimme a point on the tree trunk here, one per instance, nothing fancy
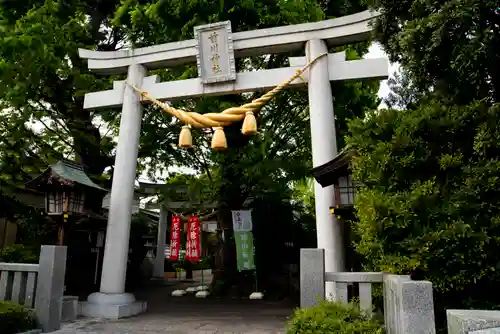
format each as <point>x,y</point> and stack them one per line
<point>231,198</point>
<point>189,270</point>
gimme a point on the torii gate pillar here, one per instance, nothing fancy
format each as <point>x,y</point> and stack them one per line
<point>324,149</point>
<point>111,301</point>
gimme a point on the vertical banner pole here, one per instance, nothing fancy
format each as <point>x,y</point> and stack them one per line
<point>202,280</point>
<point>175,247</point>
<point>255,272</point>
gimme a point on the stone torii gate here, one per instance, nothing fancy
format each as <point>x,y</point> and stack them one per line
<point>217,76</point>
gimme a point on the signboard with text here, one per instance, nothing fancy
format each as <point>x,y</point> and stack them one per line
<point>193,246</point>
<point>243,237</point>
<point>244,250</point>
<point>215,57</point>
<point>175,238</point>
<point>242,220</point>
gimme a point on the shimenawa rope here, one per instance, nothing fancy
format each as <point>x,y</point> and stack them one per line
<point>217,121</point>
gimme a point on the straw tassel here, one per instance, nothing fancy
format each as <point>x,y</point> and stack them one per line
<point>249,124</point>
<point>219,141</point>
<point>185,137</point>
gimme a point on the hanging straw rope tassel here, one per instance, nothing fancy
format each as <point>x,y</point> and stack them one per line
<point>219,141</point>
<point>245,113</point>
<point>249,124</point>
<point>185,137</point>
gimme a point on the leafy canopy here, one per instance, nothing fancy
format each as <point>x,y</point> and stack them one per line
<point>428,201</point>
<point>452,46</point>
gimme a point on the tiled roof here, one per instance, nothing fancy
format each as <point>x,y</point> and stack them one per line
<point>68,171</point>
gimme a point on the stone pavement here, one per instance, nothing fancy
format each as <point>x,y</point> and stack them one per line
<point>183,315</point>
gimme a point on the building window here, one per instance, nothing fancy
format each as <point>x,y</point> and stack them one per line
<point>76,202</point>
<point>347,190</point>
<point>54,203</point>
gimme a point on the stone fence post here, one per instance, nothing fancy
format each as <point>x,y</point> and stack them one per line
<point>408,306</point>
<point>473,321</point>
<point>312,276</point>
<point>50,287</point>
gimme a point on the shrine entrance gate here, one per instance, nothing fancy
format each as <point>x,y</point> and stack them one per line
<point>215,49</point>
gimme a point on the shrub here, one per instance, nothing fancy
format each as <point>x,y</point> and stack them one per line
<point>428,200</point>
<point>16,318</point>
<point>18,254</point>
<point>333,317</point>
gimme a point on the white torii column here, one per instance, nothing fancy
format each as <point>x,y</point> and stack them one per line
<point>159,264</point>
<point>111,301</point>
<point>324,149</point>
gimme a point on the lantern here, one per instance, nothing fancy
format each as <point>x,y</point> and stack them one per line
<point>64,200</point>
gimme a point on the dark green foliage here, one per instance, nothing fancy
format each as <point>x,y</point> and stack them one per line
<point>36,229</point>
<point>452,45</point>
<point>428,203</point>
<point>333,317</point>
<point>19,254</point>
<point>16,319</point>
<point>429,198</point>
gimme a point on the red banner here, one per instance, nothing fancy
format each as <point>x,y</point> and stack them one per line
<point>193,247</point>
<point>175,238</point>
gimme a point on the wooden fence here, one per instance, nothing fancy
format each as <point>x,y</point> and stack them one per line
<point>39,286</point>
<point>408,305</point>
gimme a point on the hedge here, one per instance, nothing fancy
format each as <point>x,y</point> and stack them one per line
<point>16,318</point>
<point>333,317</point>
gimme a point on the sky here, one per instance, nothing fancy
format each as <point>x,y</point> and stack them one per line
<point>375,51</point>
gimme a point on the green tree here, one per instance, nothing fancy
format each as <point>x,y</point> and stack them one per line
<point>448,46</point>
<point>427,204</point>
<point>43,80</point>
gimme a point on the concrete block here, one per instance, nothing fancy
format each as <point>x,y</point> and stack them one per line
<point>178,293</point>
<point>256,295</point>
<point>112,312</point>
<point>111,306</point>
<point>70,308</point>
<point>202,294</point>
<point>418,307</point>
<point>468,321</point>
<point>312,276</point>
<point>50,287</point>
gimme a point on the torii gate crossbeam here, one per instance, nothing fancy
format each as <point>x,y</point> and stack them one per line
<point>217,79</point>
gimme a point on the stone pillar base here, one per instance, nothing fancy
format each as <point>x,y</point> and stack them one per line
<point>69,310</point>
<point>111,306</point>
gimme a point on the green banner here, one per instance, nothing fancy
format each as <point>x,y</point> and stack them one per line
<point>244,250</point>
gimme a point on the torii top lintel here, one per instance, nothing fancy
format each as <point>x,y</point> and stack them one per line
<point>338,31</point>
